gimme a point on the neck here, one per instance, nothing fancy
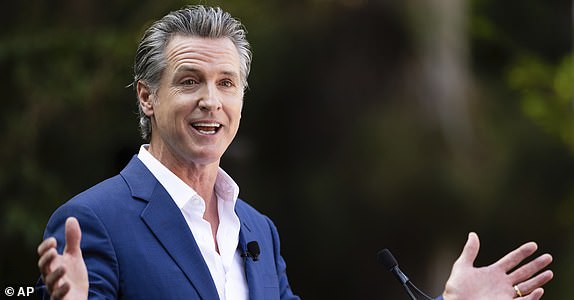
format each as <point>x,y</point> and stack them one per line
<point>200,177</point>
<point>201,180</point>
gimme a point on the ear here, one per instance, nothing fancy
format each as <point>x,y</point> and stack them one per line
<point>145,97</point>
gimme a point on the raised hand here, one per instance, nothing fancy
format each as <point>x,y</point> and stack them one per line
<point>501,280</point>
<point>65,275</point>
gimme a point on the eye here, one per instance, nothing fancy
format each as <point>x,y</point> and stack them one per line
<point>189,81</point>
<point>226,83</point>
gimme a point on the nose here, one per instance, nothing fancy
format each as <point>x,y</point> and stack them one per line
<point>209,100</point>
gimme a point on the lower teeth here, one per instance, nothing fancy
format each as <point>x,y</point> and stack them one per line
<point>206,132</point>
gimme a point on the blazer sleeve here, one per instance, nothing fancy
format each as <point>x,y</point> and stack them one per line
<point>97,250</point>
<point>284,288</point>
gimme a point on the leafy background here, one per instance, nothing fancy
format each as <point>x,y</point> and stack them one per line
<point>368,124</point>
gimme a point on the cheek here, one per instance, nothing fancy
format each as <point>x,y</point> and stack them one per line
<point>238,117</point>
<point>234,124</point>
<point>235,112</point>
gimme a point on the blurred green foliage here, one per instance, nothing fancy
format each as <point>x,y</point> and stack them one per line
<point>547,93</point>
<point>337,144</point>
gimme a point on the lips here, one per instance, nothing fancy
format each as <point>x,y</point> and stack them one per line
<point>207,128</point>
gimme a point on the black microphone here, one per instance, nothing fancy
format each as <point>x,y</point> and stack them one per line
<point>386,258</point>
<point>253,251</point>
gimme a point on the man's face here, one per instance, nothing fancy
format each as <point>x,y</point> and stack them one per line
<point>196,110</point>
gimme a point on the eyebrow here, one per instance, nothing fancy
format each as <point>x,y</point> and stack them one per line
<point>185,69</point>
<point>230,74</point>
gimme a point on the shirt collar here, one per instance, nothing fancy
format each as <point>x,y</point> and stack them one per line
<point>225,187</point>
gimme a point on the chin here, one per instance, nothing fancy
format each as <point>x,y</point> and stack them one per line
<point>206,158</point>
<point>205,154</point>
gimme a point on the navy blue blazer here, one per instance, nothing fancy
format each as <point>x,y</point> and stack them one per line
<point>137,244</point>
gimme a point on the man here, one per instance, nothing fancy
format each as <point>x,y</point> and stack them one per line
<point>170,226</point>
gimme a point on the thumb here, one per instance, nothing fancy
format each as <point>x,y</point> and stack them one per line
<point>73,237</point>
<point>470,250</point>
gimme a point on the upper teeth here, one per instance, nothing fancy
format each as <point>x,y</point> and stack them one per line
<point>207,124</point>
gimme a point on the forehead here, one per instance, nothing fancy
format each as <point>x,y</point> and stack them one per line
<point>201,52</point>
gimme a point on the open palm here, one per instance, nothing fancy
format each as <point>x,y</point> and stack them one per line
<point>65,275</point>
<point>497,281</point>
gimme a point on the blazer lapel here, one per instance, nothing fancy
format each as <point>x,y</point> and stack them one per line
<point>252,268</point>
<point>164,219</point>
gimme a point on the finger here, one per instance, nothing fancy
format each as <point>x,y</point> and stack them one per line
<point>512,259</point>
<point>46,260</point>
<point>61,291</point>
<point>47,244</point>
<point>531,268</point>
<point>470,250</point>
<point>53,278</point>
<point>535,295</point>
<point>73,236</point>
<point>536,282</point>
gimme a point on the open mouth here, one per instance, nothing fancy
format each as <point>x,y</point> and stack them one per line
<point>206,128</point>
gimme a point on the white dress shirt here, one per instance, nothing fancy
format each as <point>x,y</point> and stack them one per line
<point>226,267</point>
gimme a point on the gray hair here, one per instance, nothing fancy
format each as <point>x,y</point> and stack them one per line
<point>196,20</point>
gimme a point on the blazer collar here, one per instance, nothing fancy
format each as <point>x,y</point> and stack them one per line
<point>253,269</point>
<point>164,219</point>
